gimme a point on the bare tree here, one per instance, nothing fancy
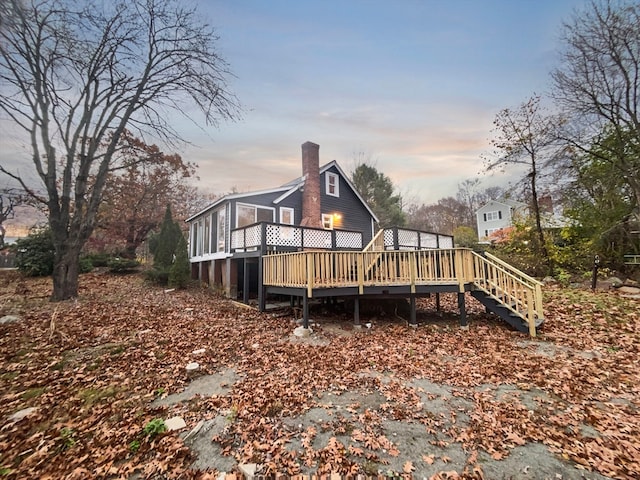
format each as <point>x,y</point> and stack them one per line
<point>10,198</point>
<point>76,74</point>
<point>598,85</point>
<point>526,137</point>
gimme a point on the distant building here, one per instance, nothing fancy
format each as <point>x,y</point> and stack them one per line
<point>496,215</point>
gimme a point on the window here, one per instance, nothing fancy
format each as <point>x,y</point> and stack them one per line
<point>221,230</point>
<point>327,221</point>
<point>333,184</point>
<point>248,214</point>
<point>287,215</point>
<point>194,239</point>
<point>491,216</point>
<point>207,235</point>
<point>491,231</point>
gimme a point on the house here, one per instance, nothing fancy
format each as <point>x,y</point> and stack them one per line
<point>323,201</point>
<point>315,238</point>
<point>496,215</point>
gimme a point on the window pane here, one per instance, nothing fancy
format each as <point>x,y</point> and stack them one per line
<point>246,215</point>
<point>264,215</point>
<point>221,230</point>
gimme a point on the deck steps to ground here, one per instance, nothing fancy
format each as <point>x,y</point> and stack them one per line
<point>506,312</point>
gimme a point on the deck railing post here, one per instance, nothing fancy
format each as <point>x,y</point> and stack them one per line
<point>412,271</point>
<point>310,274</point>
<point>530,316</point>
<point>360,271</point>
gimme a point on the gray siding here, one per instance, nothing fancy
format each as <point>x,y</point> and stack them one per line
<point>354,214</point>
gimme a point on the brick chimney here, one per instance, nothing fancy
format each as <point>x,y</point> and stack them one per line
<point>311,210</point>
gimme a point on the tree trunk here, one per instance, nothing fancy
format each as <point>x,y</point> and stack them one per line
<point>66,267</point>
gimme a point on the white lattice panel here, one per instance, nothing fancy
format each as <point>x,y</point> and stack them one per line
<point>317,238</point>
<point>237,237</point>
<point>253,236</point>
<point>348,240</point>
<point>445,241</point>
<point>407,238</point>
<point>284,236</point>
<point>428,240</point>
<point>388,238</point>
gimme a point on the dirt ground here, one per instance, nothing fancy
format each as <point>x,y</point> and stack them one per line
<point>91,375</point>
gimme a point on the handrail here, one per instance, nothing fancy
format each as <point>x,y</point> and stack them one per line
<point>516,290</point>
<point>376,243</point>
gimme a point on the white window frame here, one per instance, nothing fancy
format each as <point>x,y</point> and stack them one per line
<point>327,221</point>
<point>490,231</point>
<point>289,210</point>
<point>329,176</point>
<point>255,217</point>
<point>493,216</point>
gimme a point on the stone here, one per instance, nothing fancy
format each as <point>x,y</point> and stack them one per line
<point>20,414</point>
<point>200,351</point>
<point>175,423</point>
<point>548,280</point>
<point>302,332</point>
<point>192,367</point>
<point>630,290</point>
<point>9,319</point>
<point>615,282</point>
<point>248,470</point>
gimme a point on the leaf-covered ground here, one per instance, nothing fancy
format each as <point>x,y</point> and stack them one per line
<point>94,367</point>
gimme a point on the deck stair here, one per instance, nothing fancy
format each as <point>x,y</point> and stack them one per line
<point>507,292</point>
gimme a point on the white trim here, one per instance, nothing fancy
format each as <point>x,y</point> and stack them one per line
<point>286,194</point>
<point>289,210</point>
<point>328,176</point>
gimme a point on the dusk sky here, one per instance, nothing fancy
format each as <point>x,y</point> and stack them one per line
<point>411,85</point>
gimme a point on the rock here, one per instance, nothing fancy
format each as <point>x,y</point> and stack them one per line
<point>630,290</point>
<point>20,414</point>
<point>302,332</point>
<point>200,351</point>
<point>248,470</point>
<point>192,367</point>
<point>615,282</point>
<point>175,423</point>
<point>547,280</point>
<point>629,282</point>
<point>9,319</point>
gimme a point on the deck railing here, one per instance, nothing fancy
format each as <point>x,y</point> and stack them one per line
<point>458,266</point>
<point>270,237</point>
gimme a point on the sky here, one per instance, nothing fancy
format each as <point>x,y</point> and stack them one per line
<point>410,86</point>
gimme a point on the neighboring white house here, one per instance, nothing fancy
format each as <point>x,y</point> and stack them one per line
<point>497,214</point>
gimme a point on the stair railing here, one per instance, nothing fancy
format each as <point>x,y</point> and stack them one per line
<point>516,290</point>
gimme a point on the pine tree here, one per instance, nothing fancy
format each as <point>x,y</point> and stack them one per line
<point>180,271</point>
<point>164,248</point>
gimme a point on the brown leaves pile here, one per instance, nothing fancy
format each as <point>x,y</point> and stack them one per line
<point>91,367</point>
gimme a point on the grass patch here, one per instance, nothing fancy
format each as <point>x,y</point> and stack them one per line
<point>32,393</point>
<point>91,396</point>
<point>9,376</point>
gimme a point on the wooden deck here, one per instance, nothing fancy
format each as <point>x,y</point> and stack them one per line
<point>407,273</point>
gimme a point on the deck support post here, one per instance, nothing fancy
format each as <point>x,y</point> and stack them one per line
<point>305,311</point>
<point>438,302</point>
<point>245,281</point>
<point>262,301</point>
<point>463,310</point>
<point>356,312</point>
<point>412,319</point>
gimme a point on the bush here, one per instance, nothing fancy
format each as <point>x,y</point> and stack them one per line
<point>86,265</point>
<point>99,259</point>
<point>122,265</point>
<point>35,254</point>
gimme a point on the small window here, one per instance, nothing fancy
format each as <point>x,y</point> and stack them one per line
<point>491,216</point>
<point>333,184</point>
<point>287,215</point>
<point>327,221</point>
